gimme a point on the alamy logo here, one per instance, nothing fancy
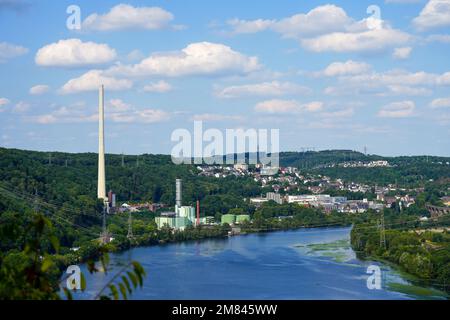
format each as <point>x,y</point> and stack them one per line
<point>73,282</point>
<point>211,146</point>
<point>73,22</point>
<point>374,280</point>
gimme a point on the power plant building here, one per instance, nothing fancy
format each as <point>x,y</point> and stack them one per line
<point>182,217</point>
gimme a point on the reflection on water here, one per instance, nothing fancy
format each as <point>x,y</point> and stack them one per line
<point>301,264</point>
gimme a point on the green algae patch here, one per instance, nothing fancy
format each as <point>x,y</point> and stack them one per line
<point>416,291</point>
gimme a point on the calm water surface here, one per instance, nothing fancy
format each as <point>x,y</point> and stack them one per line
<point>301,264</point>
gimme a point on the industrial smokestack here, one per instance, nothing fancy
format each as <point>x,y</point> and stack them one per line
<point>178,193</point>
<point>101,187</point>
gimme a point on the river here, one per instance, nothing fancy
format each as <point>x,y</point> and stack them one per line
<point>301,264</point>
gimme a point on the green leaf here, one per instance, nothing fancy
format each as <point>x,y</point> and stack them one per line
<point>114,292</point>
<point>127,283</point>
<point>68,294</point>
<point>46,264</point>
<point>83,281</point>
<point>55,243</point>
<point>123,291</point>
<point>132,278</point>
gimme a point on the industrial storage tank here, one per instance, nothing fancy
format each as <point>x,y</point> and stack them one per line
<point>228,218</point>
<point>242,217</point>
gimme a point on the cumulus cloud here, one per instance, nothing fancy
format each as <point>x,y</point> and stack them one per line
<point>440,103</point>
<point>159,87</point>
<point>328,28</point>
<point>243,26</point>
<point>74,53</point>
<point>346,68</point>
<point>401,109</point>
<point>391,82</point>
<point>9,51</point>
<point>124,16</point>
<point>39,89</point>
<point>319,20</point>
<point>202,58</point>
<point>287,106</point>
<point>369,40</point>
<point>435,14</point>
<point>91,80</point>
<point>402,53</point>
<point>274,88</point>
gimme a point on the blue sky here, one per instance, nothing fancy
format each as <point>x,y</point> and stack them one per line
<point>329,75</point>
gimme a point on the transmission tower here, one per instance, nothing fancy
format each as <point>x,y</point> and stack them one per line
<point>130,226</point>
<point>123,160</point>
<point>382,232</point>
<point>49,159</point>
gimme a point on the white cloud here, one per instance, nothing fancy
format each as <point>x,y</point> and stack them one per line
<point>443,38</point>
<point>435,14</point>
<point>9,51</point>
<point>91,80</point>
<point>440,103</point>
<point>3,102</point>
<point>319,20</point>
<point>328,28</point>
<point>135,55</point>
<point>124,16</point>
<point>115,111</point>
<point>21,107</point>
<point>391,82</point>
<point>202,58</point>
<point>39,89</point>
<point>402,109</point>
<point>243,26</point>
<point>287,106</point>
<point>344,113</point>
<point>140,116</point>
<point>74,53</point>
<point>160,87</point>
<point>274,88</point>
<point>444,79</point>
<point>346,68</point>
<point>402,53</point>
<point>117,105</point>
<point>369,40</point>
<point>407,90</point>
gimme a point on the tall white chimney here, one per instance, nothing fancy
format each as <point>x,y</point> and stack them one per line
<point>101,187</point>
